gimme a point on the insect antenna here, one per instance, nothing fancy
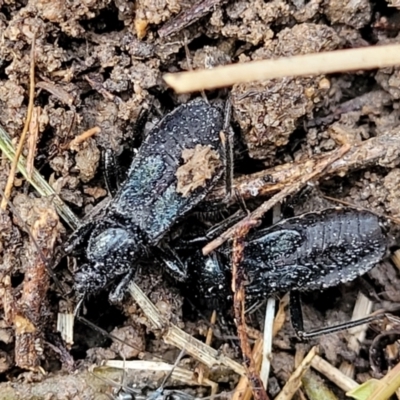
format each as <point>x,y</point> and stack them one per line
<point>355,206</point>
<point>158,392</point>
<point>102,331</point>
<point>123,390</point>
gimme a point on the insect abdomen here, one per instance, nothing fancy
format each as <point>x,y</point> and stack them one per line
<point>316,250</point>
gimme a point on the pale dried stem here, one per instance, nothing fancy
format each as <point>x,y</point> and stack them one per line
<point>302,65</point>
<point>267,348</point>
<point>294,382</point>
<point>178,373</point>
<point>176,337</point>
<point>32,140</point>
<point>333,374</point>
<point>362,309</point>
<point>11,176</point>
<point>396,258</point>
<point>243,390</point>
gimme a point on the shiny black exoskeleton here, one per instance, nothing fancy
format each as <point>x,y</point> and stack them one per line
<point>147,204</point>
<point>309,252</point>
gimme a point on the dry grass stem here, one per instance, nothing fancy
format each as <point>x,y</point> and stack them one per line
<point>201,368</point>
<point>178,373</point>
<point>362,309</point>
<point>65,325</point>
<point>281,314</point>
<point>299,355</point>
<point>303,65</point>
<point>37,181</point>
<point>213,320</point>
<point>268,335</point>
<point>294,382</point>
<point>396,258</point>
<point>32,140</point>
<point>333,374</point>
<point>356,335</point>
<point>176,337</point>
<point>10,180</point>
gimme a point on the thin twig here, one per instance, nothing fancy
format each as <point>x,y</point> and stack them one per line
<point>333,374</point>
<point>32,140</point>
<point>30,319</point>
<point>238,282</point>
<point>303,65</point>
<point>10,180</point>
<point>177,337</point>
<point>260,211</point>
<point>243,390</point>
<point>294,381</point>
<point>213,320</point>
<point>381,150</point>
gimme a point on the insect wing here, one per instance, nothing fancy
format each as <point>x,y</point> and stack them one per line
<point>149,195</point>
<point>268,262</point>
<point>332,247</point>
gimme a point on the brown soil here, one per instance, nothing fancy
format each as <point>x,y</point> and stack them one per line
<point>99,64</point>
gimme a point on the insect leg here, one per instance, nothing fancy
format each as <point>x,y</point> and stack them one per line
<point>213,232</point>
<point>139,126</point>
<point>112,168</point>
<point>298,324</point>
<point>117,294</point>
<point>80,236</point>
<point>226,136</point>
<point>296,313</point>
<point>111,172</point>
<point>175,267</point>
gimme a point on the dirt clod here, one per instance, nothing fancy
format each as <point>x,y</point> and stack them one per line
<point>199,166</point>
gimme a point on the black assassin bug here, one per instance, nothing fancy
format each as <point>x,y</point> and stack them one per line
<point>313,251</point>
<point>148,204</point>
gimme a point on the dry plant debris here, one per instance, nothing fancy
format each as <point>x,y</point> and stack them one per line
<point>239,297</point>
<point>294,382</point>
<point>324,63</point>
<point>10,181</point>
<point>30,312</point>
<point>288,190</point>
